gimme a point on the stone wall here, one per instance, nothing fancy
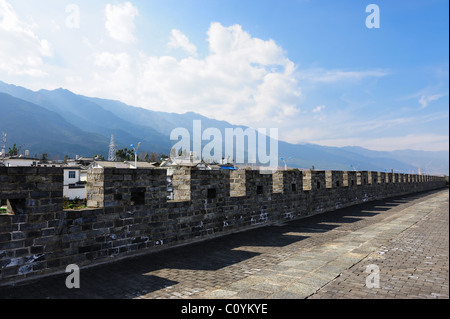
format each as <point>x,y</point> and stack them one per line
<point>129,213</point>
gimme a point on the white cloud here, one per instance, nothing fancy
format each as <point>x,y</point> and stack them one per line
<point>237,45</point>
<point>180,40</point>
<point>116,72</point>
<point>112,61</point>
<point>318,108</point>
<point>426,99</point>
<point>244,80</point>
<point>332,76</point>
<point>120,21</point>
<point>22,51</point>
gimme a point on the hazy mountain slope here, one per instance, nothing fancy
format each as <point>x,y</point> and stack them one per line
<point>305,156</point>
<point>35,128</point>
<point>163,122</point>
<point>428,161</point>
<point>90,117</point>
<point>131,124</point>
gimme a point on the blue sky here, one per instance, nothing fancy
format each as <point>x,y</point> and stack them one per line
<point>310,68</point>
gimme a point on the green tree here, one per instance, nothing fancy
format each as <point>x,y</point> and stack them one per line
<point>125,154</point>
<point>44,158</point>
<point>14,150</point>
<point>154,157</point>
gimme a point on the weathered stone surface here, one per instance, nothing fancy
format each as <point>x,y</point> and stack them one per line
<point>129,212</point>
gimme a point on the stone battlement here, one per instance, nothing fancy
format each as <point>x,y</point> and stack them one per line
<point>129,212</point>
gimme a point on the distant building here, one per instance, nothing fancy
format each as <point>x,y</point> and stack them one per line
<point>106,164</point>
<point>74,182</point>
<point>140,164</point>
<point>191,161</point>
<point>12,161</point>
<point>75,172</point>
<point>127,164</point>
<point>83,161</point>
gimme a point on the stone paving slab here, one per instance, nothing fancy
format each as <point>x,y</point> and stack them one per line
<point>406,237</point>
<point>414,263</point>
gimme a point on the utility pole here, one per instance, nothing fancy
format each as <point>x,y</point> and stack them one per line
<point>135,154</point>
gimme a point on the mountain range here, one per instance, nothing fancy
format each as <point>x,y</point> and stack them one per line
<point>60,122</point>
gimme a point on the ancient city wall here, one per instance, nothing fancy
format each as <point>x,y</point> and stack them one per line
<point>128,211</point>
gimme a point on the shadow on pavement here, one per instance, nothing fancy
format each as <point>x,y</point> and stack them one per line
<point>122,279</point>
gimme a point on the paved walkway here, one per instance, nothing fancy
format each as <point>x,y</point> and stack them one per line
<point>412,264</point>
<point>403,241</point>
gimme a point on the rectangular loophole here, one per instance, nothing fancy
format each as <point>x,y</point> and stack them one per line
<point>318,185</point>
<point>137,198</point>
<point>259,189</point>
<point>294,187</point>
<point>337,183</point>
<point>212,193</point>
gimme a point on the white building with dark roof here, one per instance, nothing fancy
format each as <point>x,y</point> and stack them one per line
<point>74,182</point>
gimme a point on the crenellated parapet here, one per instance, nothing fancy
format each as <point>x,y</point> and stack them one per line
<point>136,211</point>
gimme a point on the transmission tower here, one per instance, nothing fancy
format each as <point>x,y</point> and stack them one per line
<point>112,150</point>
<point>3,144</point>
